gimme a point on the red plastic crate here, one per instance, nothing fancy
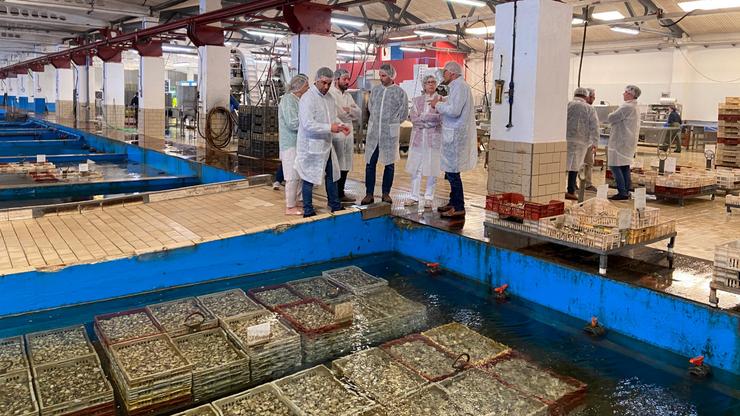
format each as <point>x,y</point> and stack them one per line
<point>506,204</point>
<point>729,117</point>
<point>535,211</point>
<point>663,190</point>
<point>732,141</point>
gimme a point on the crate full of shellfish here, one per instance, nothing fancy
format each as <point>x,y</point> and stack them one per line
<point>324,332</point>
<point>316,392</point>
<point>125,326</point>
<point>371,325</point>
<point>218,365</point>
<point>377,375</point>
<point>182,316</point>
<point>205,410</point>
<point>150,372</point>
<point>562,394</point>
<point>262,400</point>
<point>273,348</point>
<point>457,339</point>
<point>406,316</point>
<point>424,357</point>
<point>229,303</point>
<point>74,387</point>
<point>481,393</point>
<point>57,345</point>
<point>430,400</point>
<point>355,280</point>
<point>320,288</point>
<point>273,296</point>
<point>13,355</point>
<point>16,394</point>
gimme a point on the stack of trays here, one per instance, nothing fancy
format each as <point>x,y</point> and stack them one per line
<point>151,373</point>
<point>316,392</point>
<point>67,373</point>
<point>124,326</point>
<point>182,316</point>
<point>264,400</point>
<point>370,326</point>
<point>228,303</point>
<point>431,400</point>
<point>322,337</point>
<point>218,366</point>
<point>13,355</point>
<point>16,390</point>
<point>376,374</point>
<point>407,316</point>
<point>278,356</point>
<point>457,339</point>
<point>422,356</point>
<point>205,410</point>
<point>355,280</point>
<point>320,288</point>
<point>273,296</point>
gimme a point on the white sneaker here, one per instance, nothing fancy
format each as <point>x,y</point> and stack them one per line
<point>410,202</point>
<point>428,203</point>
<point>276,185</point>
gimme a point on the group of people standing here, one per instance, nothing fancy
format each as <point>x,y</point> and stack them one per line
<point>317,144</point>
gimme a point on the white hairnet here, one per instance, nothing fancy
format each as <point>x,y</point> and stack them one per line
<point>453,67</point>
<point>427,78</point>
<point>324,72</point>
<point>389,70</point>
<point>297,82</point>
<point>339,73</point>
<point>591,92</point>
<point>634,90</point>
<point>581,91</point>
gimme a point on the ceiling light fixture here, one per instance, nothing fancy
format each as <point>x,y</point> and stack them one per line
<point>432,34</point>
<point>613,15</point>
<point>690,6</point>
<point>408,49</point>
<point>481,30</point>
<point>402,37</point>
<point>346,22</point>
<point>177,48</point>
<point>265,34</point>
<point>625,30</point>
<point>577,21</point>
<point>474,3</point>
<point>491,41</point>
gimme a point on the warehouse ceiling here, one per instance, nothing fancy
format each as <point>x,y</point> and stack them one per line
<point>30,25</point>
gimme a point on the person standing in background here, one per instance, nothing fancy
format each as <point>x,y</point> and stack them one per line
<point>588,166</point>
<point>581,132</point>
<point>674,120</point>
<point>424,148</point>
<point>288,135</point>
<point>344,144</point>
<point>625,129</point>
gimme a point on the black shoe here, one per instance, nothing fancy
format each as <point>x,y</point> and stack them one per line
<point>367,200</point>
<point>345,198</point>
<point>618,197</point>
<point>312,214</point>
<point>338,209</point>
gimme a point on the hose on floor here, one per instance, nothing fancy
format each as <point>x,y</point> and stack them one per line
<point>221,138</point>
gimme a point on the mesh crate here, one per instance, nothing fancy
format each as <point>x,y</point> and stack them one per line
<point>431,400</point>
<point>534,211</point>
<point>422,356</point>
<point>218,366</point>
<point>727,278</point>
<point>499,202</point>
<point>182,316</point>
<point>355,279</point>
<point>229,303</point>
<point>16,394</point>
<point>320,288</point>
<point>481,393</point>
<point>676,192</point>
<point>124,326</point>
<point>641,235</point>
<point>158,406</point>
<point>646,217</point>
<point>732,200</point>
<point>56,345</point>
<point>279,355</point>
<point>529,226</point>
<point>13,355</point>
<point>205,410</point>
<point>561,393</point>
<point>405,315</point>
<point>727,256</point>
<point>303,388</point>
<point>458,339</point>
<point>77,386</point>
<point>596,237</point>
<point>377,375</point>
<point>262,400</point>
<point>272,296</point>
<point>594,212</point>
<point>370,325</point>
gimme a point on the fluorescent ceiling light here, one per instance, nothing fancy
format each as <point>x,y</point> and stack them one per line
<point>355,56</point>
<point>577,21</point>
<point>481,30</point>
<point>175,48</point>
<point>432,34</point>
<point>690,6</point>
<point>181,64</point>
<point>626,30</point>
<point>357,46</point>
<point>613,15</point>
<point>474,3</point>
<point>402,37</point>
<point>347,22</point>
<point>407,49</point>
<point>261,61</point>
<point>491,41</point>
<point>265,34</point>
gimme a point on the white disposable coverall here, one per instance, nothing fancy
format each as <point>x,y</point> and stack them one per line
<point>388,107</point>
<point>581,133</point>
<point>625,129</point>
<point>316,113</point>
<point>345,145</point>
<point>459,137</point>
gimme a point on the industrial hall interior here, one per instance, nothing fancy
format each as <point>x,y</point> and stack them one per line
<point>369,207</point>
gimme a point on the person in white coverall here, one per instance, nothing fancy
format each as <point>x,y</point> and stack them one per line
<point>315,156</point>
<point>388,106</point>
<point>581,132</point>
<point>288,135</point>
<point>625,129</point>
<point>424,148</point>
<point>459,136</point>
<point>347,112</point>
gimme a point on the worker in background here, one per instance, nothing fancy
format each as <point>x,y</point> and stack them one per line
<point>625,129</point>
<point>424,148</point>
<point>233,103</point>
<point>135,105</point>
<point>344,144</point>
<point>588,162</point>
<point>388,106</point>
<point>315,156</point>
<point>581,133</point>
<point>288,135</point>
<point>674,120</point>
<point>459,136</point>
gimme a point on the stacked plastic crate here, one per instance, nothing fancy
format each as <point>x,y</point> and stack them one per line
<point>728,133</point>
<point>726,270</point>
<point>16,389</point>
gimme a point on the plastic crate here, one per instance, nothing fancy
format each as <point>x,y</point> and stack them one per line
<point>355,280</point>
<point>318,343</point>
<point>16,394</point>
<point>213,378</point>
<point>205,410</point>
<point>296,319</point>
<point>439,365</point>
<point>535,211</point>
<point>727,256</point>
<point>108,336</point>
<point>496,201</point>
<point>321,288</point>
<point>273,296</point>
<point>405,315</point>
<point>79,370</point>
<point>594,212</point>
<point>457,339</point>
<point>67,343</point>
<point>246,402</point>
<point>431,400</point>
<point>595,237</point>
<point>529,226</point>
<point>641,235</point>
<point>13,355</point>
<point>646,217</point>
<point>676,192</point>
<point>229,303</point>
<point>182,316</point>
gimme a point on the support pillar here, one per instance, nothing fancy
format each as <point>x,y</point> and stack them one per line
<point>82,85</point>
<point>65,93</point>
<point>214,77</point>
<point>12,84</point>
<point>151,96</point>
<point>114,105</point>
<point>530,156</point>
<point>309,52</point>
<point>48,83</point>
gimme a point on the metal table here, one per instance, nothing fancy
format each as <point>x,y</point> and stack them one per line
<point>603,254</point>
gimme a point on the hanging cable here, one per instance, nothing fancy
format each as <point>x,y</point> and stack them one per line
<point>675,22</point>
<point>221,139</point>
<point>686,58</point>
<point>583,48</point>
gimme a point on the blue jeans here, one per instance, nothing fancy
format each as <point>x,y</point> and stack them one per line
<point>572,176</point>
<point>388,173</point>
<point>623,179</point>
<point>279,176</point>
<point>457,200</point>
<point>331,193</point>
